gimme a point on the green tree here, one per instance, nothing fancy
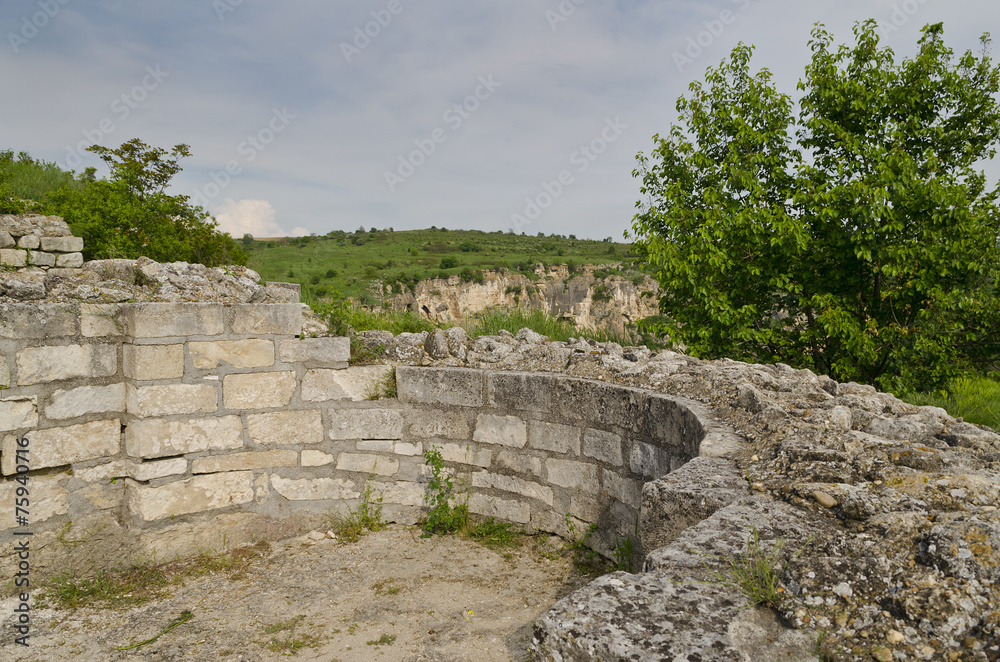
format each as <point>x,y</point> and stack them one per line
<point>131,215</point>
<point>858,240</point>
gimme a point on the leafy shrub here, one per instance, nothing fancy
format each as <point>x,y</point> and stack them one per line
<point>448,262</point>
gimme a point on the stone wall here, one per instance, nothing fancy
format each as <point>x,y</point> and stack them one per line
<point>38,241</point>
<point>157,429</point>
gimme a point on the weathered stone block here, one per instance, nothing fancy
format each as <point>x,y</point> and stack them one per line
<point>465,454</point>
<point>584,507</point>
<point>30,242</point>
<point>648,460</point>
<point>521,391</point>
<point>170,399</point>
<point>6,241</point>
<point>100,320</point>
<point>311,458</point>
<point>409,450</point>
<point>37,365</point>
<point>404,493</point>
<point>41,320</point>
<point>369,464</point>
<point>149,362</point>
<point>504,509</point>
<point>249,353</point>
<point>154,437</point>
<point>280,319</point>
<point>48,498</point>
<point>244,461</point>
<point>626,490</point>
<point>513,484</point>
<point>554,437</point>
<point>13,257</point>
<point>146,471</point>
<point>437,423</point>
<point>286,427</point>
<point>18,413</point>
<point>193,495</point>
<point>575,475</point>
<point>618,406</point>
<point>366,424</point>
<point>55,447</point>
<point>375,445</point>
<point>350,384</point>
<point>4,372</point>
<point>319,352</point>
<point>446,386</point>
<point>258,390</point>
<point>314,489</point>
<point>69,260</point>
<point>687,496</point>
<point>41,259</point>
<point>502,430</point>
<point>62,244</point>
<point>163,320</point>
<point>519,462</point>
<point>86,400</point>
<point>603,446</point>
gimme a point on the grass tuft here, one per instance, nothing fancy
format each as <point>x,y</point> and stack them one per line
<point>975,399</point>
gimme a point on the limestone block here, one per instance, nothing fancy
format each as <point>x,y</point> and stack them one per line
<point>162,320</point>
<point>99,320</point>
<point>37,320</point>
<point>6,241</point>
<point>69,260</point>
<point>249,353</point>
<point>18,413</point>
<point>326,352</point>
<point>375,445</point>
<point>146,471</point>
<point>369,464</point>
<point>648,460</point>
<point>102,473</point>
<point>86,400</point>
<point>522,391</point>
<point>447,386</point>
<point>149,362</point>
<point>519,462</point>
<point>153,437</point>
<point>55,447</point>
<point>350,384</point>
<point>585,508</point>
<point>311,458</point>
<point>144,401</point>
<point>286,427</point>
<point>513,484</point>
<point>258,390</point>
<point>407,449</point>
<point>404,493</point>
<point>29,241</point>
<point>62,244</point>
<point>576,475</point>
<point>504,509</point>
<point>4,372</point>
<point>280,319</point>
<point>102,496</point>
<point>603,446</point>
<point>244,461</point>
<point>37,365</point>
<point>437,423</point>
<point>465,454</point>
<point>685,497</point>
<point>366,424</point>
<point>554,437</point>
<point>47,497</point>
<point>41,259</point>
<point>625,490</point>
<point>314,489</point>
<point>13,257</point>
<point>503,430</point>
<point>193,495</point>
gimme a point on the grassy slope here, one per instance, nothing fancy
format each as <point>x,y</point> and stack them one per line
<point>348,262</point>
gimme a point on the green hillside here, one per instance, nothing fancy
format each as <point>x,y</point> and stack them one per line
<point>348,262</point>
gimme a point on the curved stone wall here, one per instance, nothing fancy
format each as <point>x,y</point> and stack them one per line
<point>162,429</point>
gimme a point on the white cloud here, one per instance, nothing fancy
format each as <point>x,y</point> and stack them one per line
<point>299,232</point>
<point>255,217</point>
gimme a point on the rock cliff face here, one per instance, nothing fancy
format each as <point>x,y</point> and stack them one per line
<point>601,301</point>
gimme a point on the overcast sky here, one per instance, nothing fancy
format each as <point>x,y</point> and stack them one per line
<point>308,116</point>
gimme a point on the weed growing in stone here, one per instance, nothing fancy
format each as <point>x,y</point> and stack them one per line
<point>384,388</point>
<point>494,533</point>
<point>626,548</point>
<point>442,517</point>
<point>756,573</point>
<point>384,640</point>
<point>368,517</point>
<point>289,644</point>
<point>587,561</point>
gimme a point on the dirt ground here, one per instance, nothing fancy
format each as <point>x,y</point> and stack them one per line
<point>389,596</point>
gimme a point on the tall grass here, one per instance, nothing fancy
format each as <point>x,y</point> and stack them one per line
<point>975,399</point>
